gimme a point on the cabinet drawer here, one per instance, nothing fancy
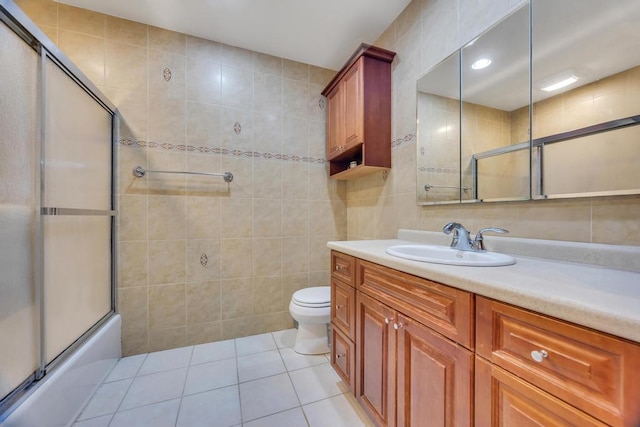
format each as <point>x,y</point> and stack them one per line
<point>343,267</point>
<point>595,372</point>
<point>503,399</point>
<point>343,308</point>
<point>442,308</point>
<point>343,358</point>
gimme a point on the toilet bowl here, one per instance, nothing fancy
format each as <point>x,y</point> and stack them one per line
<point>311,308</point>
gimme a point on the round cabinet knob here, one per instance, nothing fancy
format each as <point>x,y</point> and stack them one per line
<point>339,306</point>
<point>340,267</point>
<point>397,326</point>
<point>386,320</point>
<point>339,356</point>
<point>539,356</point>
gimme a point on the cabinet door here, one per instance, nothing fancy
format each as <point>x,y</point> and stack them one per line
<point>375,360</point>
<point>435,377</point>
<point>352,86</point>
<point>505,400</point>
<point>335,122</point>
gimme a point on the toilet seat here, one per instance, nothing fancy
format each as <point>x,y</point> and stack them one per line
<point>315,297</point>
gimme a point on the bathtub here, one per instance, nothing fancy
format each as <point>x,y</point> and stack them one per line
<point>58,399</point>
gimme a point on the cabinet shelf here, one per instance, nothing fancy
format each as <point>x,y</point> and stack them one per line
<point>358,171</point>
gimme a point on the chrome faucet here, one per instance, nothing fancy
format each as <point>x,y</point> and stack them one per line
<point>462,238</point>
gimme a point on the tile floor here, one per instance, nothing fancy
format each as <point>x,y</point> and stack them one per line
<point>250,382</point>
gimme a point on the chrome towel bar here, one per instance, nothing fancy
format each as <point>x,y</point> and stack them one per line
<point>139,171</point>
<point>54,211</point>
<point>428,187</point>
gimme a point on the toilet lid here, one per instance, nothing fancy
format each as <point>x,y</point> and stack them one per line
<point>318,296</point>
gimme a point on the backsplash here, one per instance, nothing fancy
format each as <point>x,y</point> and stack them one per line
<point>199,259</point>
<point>619,257</point>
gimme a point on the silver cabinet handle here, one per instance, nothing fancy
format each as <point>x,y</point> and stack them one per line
<point>397,326</point>
<point>539,356</point>
<point>340,267</point>
<point>386,320</point>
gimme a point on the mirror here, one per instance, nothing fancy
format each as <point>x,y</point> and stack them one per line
<point>584,138</point>
<point>438,156</point>
<point>495,111</point>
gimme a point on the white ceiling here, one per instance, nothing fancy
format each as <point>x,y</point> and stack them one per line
<point>319,32</point>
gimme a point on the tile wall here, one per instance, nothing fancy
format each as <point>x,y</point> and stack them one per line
<point>201,260</point>
<point>424,34</point>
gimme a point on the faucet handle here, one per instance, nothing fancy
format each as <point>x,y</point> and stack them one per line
<point>478,242</point>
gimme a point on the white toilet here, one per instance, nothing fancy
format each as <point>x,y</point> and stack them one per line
<point>311,308</point>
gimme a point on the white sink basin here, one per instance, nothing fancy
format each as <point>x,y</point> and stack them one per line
<point>450,256</point>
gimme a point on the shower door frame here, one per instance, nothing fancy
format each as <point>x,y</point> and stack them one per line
<point>21,25</point>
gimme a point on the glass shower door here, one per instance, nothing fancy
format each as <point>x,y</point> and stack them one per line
<point>77,211</point>
<point>19,312</point>
<point>57,215</point>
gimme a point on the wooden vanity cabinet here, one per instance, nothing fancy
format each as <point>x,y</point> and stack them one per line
<point>359,114</point>
<point>407,374</point>
<point>421,353</point>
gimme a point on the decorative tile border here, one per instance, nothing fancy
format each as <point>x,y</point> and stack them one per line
<point>221,151</point>
<point>405,140</point>
<point>438,170</point>
<point>239,153</point>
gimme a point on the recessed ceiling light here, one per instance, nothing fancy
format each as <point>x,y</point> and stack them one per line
<point>481,63</point>
<point>560,84</point>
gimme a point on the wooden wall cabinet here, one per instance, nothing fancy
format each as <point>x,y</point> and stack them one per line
<point>359,114</point>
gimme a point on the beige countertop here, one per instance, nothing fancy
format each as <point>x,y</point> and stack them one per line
<point>601,298</point>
